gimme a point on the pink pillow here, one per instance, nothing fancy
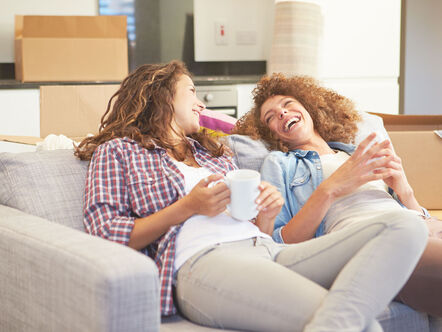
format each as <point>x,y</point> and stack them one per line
<point>217,121</point>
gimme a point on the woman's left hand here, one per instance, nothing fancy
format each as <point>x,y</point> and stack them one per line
<point>395,178</point>
<point>269,202</point>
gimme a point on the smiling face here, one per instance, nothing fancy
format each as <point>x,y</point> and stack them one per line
<point>187,106</point>
<point>290,121</point>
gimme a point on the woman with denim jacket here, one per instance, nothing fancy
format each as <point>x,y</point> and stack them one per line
<point>328,184</point>
<point>151,185</point>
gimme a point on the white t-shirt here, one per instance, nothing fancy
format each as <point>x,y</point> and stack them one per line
<point>201,231</point>
<point>367,200</point>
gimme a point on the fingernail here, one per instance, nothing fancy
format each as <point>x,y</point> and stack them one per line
<point>258,201</point>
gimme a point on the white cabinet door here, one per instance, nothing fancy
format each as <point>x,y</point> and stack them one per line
<point>361,38</point>
<point>370,95</point>
<point>19,116</point>
<point>361,52</point>
<point>245,100</point>
<point>20,112</point>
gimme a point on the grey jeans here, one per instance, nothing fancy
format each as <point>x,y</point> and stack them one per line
<point>338,282</point>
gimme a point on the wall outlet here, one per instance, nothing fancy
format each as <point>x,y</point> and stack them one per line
<point>221,33</point>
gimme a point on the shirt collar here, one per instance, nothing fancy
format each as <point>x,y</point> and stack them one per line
<point>348,148</point>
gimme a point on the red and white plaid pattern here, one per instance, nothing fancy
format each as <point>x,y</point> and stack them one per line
<point>125,182</point>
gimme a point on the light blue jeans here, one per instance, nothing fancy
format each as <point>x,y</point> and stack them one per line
<point>338,282</point>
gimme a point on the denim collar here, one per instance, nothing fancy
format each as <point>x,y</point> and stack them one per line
<point>348,148</point>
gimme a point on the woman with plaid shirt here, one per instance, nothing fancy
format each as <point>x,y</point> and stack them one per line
<point>153,185</point>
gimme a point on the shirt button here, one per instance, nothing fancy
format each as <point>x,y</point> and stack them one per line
<point>318,167</point>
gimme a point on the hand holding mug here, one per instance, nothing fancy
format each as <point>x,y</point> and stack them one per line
<point>270,202</point>
<point>208,199</point>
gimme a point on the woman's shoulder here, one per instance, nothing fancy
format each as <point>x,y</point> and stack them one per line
<point>279,155</point>
<point>120,148</point>
<point>121,144</point>
<point>275,157</point>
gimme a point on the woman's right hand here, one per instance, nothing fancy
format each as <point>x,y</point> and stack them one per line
<point>358,169</point>
<point>208,200</point>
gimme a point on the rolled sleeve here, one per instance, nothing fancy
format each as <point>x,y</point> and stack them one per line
<point>272,172</point>
<point>106,210</point>
<point>277,236</point>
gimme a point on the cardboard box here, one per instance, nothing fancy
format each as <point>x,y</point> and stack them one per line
<point>420,148</point>
<point>70,48</point>
<point>71,110</point>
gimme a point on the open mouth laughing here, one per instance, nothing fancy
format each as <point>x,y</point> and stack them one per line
<point>290,123</point>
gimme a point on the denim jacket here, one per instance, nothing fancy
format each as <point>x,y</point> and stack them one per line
<point>297,174</point>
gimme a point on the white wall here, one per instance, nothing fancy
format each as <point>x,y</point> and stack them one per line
<point>422,72</point>
<point>361,52</point>
<point>10,8</point>
<point>247,29</point>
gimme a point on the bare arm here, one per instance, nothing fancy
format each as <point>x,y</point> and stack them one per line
<point>303,225</point>
<point>395,178</point>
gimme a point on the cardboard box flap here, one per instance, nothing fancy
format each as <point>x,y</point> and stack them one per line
<point>70,26</point>
<point>29,140</point>
<point>396,122</point>
<point>18,26</point>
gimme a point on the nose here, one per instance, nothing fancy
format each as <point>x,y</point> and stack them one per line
<point>200,104</point>
<point>282,112</point>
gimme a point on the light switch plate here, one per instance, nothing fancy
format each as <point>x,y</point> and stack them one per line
<point>221,33</point>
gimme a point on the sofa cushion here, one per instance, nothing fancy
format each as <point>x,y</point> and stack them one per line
<point>48,184</point>
<point>247,152</point>
<point>398,317</point>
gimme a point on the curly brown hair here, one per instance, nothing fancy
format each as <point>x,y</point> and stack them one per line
<point>334,116</point>
<point>142,110</point>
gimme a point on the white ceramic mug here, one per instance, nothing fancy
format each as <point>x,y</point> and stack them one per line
<point>243,185</point>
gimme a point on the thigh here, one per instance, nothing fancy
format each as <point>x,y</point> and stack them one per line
<point>236,289</point>
<point>321,259</point>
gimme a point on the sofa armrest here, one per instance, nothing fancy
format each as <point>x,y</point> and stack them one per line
<point>54,278</point>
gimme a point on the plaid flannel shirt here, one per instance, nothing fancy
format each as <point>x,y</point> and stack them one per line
<point>125,182</point>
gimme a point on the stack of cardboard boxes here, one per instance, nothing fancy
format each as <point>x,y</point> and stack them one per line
<point>84,54</point>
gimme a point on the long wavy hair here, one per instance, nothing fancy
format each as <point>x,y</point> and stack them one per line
<point>334,116</point>
<point>142,109</point>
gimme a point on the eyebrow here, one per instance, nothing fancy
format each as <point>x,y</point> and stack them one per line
<point>270,110</point>
<point>265,114</point>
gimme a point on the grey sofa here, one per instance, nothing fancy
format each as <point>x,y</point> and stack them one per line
<point>55,277</point>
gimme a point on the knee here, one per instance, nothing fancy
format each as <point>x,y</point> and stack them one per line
<point>413,228</point>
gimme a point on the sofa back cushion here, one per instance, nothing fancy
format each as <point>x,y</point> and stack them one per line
<point>48,184</point>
